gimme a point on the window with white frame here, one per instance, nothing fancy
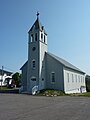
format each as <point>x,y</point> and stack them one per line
<point>53,77</point>
<point>32,38</point>
<point>83,79</point>
<point>72,78</point>
<point>79,79</point>
<point>68,77</point>
<point>76,78</point>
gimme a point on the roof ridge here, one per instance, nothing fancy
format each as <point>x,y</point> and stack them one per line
<point>65,63</point>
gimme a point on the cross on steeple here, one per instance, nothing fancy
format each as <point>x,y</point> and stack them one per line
<point>37,14</point>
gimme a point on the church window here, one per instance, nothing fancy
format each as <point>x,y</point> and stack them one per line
<point>32,38</point>
<point>53,77</point>
<point>33,78</point>
<point>33,64</point>
<point>79,78</point>
<point>34,48</point>
<point>35,36</point>
<point>41,36</point>
<point>76,78</point>
<point>72,78</point>
<point>68,77</point>
<point>83,79</point>
<point>44,39</point>
<point>42,79</point>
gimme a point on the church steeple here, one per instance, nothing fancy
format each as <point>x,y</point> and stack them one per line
<point>37,25</point>
<point>37,32</point>
<point>37,47</point>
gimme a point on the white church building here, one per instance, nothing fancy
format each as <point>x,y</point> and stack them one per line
<point>45,70</point>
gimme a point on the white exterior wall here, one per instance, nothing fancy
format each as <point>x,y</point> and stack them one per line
<point>42,50</point>
<point>73,84</point>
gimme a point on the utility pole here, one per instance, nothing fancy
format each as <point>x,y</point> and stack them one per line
<point>2,77</point>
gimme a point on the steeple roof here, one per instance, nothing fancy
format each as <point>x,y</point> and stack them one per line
<point>37,25</point>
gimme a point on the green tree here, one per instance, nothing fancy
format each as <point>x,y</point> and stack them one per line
<point>87,79</point>
<point>17,79</point>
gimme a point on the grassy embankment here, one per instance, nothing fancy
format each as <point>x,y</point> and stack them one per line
<point>60,93</point>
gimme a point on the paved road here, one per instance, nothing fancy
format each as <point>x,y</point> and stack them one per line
<point>26,107</point>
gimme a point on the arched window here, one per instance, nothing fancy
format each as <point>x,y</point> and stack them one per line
<point>32,38</point>
<point>41,36</point>
<point>35,36</point>
<point>44,39</point>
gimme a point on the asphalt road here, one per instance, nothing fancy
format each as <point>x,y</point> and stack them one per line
<point>26,107</point>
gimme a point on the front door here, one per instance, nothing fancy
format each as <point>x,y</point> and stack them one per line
<point>32,83</point>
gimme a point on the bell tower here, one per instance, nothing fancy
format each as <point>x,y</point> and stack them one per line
<point>37,46</point>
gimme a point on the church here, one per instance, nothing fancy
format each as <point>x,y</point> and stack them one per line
<point>44,70</point>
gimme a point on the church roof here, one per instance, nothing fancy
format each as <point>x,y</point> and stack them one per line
<point>37,25</point>
<point>65,63</point>
<point>24,65</point>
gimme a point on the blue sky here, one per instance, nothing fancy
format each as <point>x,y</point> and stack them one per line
<point>67,23</point>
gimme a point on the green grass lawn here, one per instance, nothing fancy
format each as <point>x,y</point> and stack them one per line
<point>3,88</point>
<point>86,94</point>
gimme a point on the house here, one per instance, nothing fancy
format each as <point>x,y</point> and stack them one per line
<point>48,71</point>
<point>3,76</point>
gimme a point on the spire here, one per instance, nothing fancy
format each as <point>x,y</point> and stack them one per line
<point>37,24</point>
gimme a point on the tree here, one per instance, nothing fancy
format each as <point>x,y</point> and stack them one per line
<point>17,79</point>
<point>87,79</point>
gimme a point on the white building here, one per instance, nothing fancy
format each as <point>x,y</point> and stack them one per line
<point>46,70</point>
<point>3,75</point>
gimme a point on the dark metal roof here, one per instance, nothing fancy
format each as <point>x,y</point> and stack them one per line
<point>24,65</point>
<point>37,25</point>
<point>5,72</point>
<point>65,63</point>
